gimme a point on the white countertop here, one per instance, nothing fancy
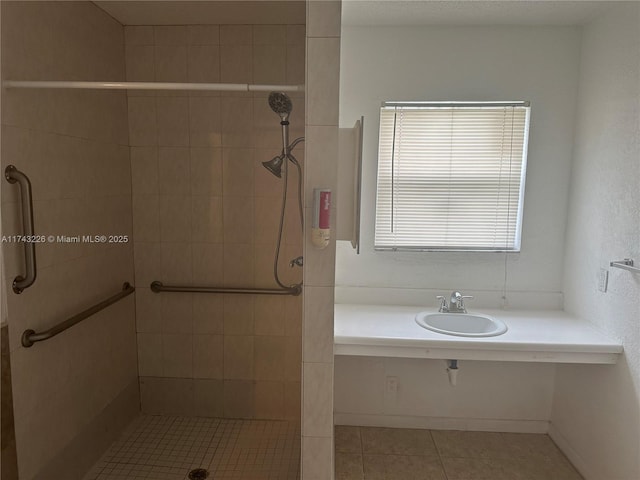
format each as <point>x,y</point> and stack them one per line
<point>533,336</point>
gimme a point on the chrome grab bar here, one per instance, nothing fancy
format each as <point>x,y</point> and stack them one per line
<point>29,337</point>
<point>158,287</point>
<point>13,175</point>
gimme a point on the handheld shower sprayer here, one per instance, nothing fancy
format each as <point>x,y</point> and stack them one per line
<point>281,104</point>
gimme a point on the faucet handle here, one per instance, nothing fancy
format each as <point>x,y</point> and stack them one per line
<point>461,304</point>
<point>443,303</point>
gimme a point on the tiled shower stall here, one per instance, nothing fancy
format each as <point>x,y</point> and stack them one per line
<point>179,174</point>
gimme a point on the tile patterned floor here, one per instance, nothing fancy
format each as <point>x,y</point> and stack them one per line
<point>167,448</point>
<point>369,453</point>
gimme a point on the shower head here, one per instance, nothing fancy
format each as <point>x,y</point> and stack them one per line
<point>281,104</point>
<point>275,165</point>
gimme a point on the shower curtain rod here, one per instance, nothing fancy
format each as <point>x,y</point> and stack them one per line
<point>230,87</point>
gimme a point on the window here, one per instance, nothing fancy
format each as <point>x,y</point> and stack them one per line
<point>451,176</point>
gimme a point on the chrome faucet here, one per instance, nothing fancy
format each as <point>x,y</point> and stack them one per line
<point>456,303</point>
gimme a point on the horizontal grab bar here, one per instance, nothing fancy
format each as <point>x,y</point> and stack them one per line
<point>158,287</point>
<point>626,264</point>
<point>29,337</point>
<point>13,175</point>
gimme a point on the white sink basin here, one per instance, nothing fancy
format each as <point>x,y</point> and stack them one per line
<point>461,324</point>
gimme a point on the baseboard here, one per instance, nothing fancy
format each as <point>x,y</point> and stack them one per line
<point>77,458</point>
<point>442,423</point>
<point>574,457</point>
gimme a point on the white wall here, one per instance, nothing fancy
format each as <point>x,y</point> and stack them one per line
<point>596,412</point>
<point>489,396</point>
<point>459,63</point>
<point>539,64</point>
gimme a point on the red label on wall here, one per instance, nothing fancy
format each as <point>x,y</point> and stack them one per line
<point>325,206</point>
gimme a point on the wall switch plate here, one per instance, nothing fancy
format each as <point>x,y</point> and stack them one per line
<point>603,279</point>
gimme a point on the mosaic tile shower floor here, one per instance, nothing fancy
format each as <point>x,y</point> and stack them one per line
<point>169,447</point>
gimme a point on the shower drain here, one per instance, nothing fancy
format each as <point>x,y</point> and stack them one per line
<point>198,474</point>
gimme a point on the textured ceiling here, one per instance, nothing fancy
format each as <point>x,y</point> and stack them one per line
<point>471,12</point>
<point>205,12</point>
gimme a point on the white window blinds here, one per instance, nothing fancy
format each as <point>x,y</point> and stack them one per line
<point>451,176</point>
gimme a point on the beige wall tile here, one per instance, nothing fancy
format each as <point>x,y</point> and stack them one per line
<point>269,399</point>
<point>293,359</point>
<point>176,263</point>
<point>138,35</point>
<point>77,157</point>
<point>140,63</point>
<point>177,395</point>
<point>146,218</point>
<point>235,64</point>
<point>238,401</point>
<point>207,263</point>
<point>203,34</point>
<point>237,172</point>
<point>317,404</point>
<point>173,121</point>
<point>293,316</point>
<point>147,258</point>
<point>174,171</point>
<point>221,233</point>
<point>148,310</point>
<point>317,458</point>
<point>208,212</point>
<point>263,266</point>
<point>207,356</point>
<point>296,65</point>
<point>171,64</point>
<point>324,18</point>
<point>206,171</point>
<point>177,355</point>
<point>208,397</point>
<point>269,34</point>
<point>292,400</point>
<point>323,80</point>
<point>205,122</point>
<point>269,64</point>
<point>235,35</point>
<point>269,314</point>
<point>144,170</point>
<point>269,357</point>
<point>142,121</point>
<point>150,354</point>
<point>170,35</point>
<point>321,165</point>
<point>175,218</point>
<point>293,226</point>
<point>238,314</point>
<point>236,114</point>
<point>203,63</point>
<point>177,313</point>
<point>208,314</point>
<point>238,357</point>
<point>296,34</point>
<point>318,325</point>
<point>152,395</point>
<point>238,219</point>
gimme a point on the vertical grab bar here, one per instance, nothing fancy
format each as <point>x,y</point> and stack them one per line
<point>13,175</point>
